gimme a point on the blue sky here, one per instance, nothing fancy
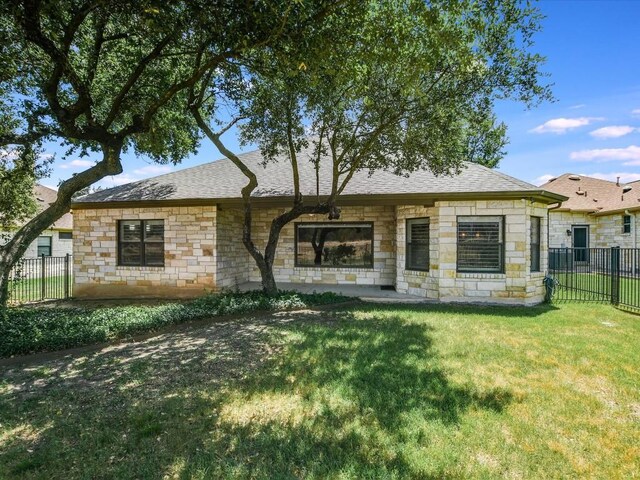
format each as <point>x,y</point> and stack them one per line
<point>593,58</point>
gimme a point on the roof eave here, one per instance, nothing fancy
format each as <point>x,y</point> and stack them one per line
<point>542,196</point>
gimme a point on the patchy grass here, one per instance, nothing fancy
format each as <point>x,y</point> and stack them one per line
<point>33,329</point>
<point>368,391</point>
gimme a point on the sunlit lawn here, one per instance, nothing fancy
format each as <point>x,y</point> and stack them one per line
<point>364,392</point>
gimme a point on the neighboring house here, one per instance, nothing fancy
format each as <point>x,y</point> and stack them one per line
<point>57,240</point>
<point>598,213</point>
<point>476,236</point>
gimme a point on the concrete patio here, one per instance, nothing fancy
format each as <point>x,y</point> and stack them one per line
<point>369,293</point>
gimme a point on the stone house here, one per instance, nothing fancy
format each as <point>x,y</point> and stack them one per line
<point>56,241</point>
<point>478,235</point>
<point>598,213</point>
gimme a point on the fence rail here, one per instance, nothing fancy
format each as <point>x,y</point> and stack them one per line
<point>610,275</point>
<point>42,278</point>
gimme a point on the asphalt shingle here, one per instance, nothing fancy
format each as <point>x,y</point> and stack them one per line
<point>221,179</point>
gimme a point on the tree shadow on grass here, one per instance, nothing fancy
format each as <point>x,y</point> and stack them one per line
<point>290,395</point>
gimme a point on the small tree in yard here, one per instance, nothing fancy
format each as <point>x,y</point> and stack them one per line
<point>108,76</point>
<point>396,86</point>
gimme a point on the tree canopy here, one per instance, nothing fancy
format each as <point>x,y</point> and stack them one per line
<point>400,86</point>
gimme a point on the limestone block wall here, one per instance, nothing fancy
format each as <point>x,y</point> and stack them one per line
<point>560,222</point>
<point>232,258</point>
<point>384,243</point>
<point>190,260</point>
<point>517,285</point>
<point>609,232</point>
<point>415,282</point>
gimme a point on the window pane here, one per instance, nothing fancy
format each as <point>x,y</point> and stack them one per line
<point>480,244</point>
<point>154,254</point>
<point>44,246</point>
<point>130,254</point>
<point>65,235</point>
<point>418,244</point>
<point>535,244</point>
<point>130,231</point>
<point>340,245</point>
<point>154,231</point>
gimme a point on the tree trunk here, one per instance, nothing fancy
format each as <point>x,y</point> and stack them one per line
<point>14,249</point>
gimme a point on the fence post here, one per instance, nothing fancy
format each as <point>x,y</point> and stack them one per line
<point>66,276</point>
<point>615,275</point>
<point>43,291</point>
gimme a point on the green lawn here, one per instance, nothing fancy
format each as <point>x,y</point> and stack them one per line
<point>366,391</point>
<point>596,287</point>
<point>30,289</point>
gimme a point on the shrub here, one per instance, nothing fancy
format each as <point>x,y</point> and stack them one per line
<point>33,329</point>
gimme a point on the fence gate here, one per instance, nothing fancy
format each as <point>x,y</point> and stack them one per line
<point>610,275</point>
<point>42,278</point>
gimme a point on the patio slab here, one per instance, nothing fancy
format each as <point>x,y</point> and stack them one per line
<point>368,293</point>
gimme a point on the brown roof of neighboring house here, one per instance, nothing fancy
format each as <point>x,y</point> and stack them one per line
<point>593,195</point>
<point>222,181</point>
<point>46,196</point>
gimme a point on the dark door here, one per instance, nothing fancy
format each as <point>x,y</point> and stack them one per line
<point>580,242</point>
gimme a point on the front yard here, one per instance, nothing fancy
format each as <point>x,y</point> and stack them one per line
<point>366,391</point>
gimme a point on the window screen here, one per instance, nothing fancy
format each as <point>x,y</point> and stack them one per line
<point>480,244</point>
<point>44,246</point>
<point>535,244</point>
<point>141,242</point>
<point>417,256</point>
<point>65,235</point>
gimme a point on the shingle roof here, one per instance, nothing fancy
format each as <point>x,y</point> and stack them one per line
<point>46,196</point>
<point>588,194</point>
<point>221,179</point>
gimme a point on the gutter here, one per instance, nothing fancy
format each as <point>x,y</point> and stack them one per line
<point>349,199</point>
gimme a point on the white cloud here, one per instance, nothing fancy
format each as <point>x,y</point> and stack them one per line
<point>153,170</point>
<point>575,107</point>
<point>78,163</point>
<point>562,125</point>
<point>543,179</point>
<point>613,131</point>
<point>629,155</point>
<point>116,180</point>
<point>636,112</point>
<point>625,177</point>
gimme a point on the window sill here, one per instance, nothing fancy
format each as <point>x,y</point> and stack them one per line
<point>481,275</point>
<point>140,267</point>
<point>332,267</point>
<point>411,271</point>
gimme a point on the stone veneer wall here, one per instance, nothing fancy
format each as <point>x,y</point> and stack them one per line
<point>609,232</point>
<point>604,230</point>
<point>233,259</point>
<point>384,259</point>
<point>190,261</point>
<point>414,282</point>
<point>560,222</point>
<point>517,285</point>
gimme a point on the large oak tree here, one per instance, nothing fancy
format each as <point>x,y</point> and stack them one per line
<point>107,76</point>
<point>395,85</point>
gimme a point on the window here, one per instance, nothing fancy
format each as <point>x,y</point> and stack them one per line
<point>65,235</point>
<point>334,245</point>
<point>480,244</point>
<point>141,242</point>
<point>417,244</point>
<point>44,246</point>
<point>626,224</point>
<point>535,244</point>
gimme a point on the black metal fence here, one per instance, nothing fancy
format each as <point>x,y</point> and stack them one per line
<point>42,278</point>
<point>609,275</point>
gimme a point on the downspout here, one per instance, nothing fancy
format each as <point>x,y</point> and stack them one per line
<point>634,225</point>
<point>549,222</point>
